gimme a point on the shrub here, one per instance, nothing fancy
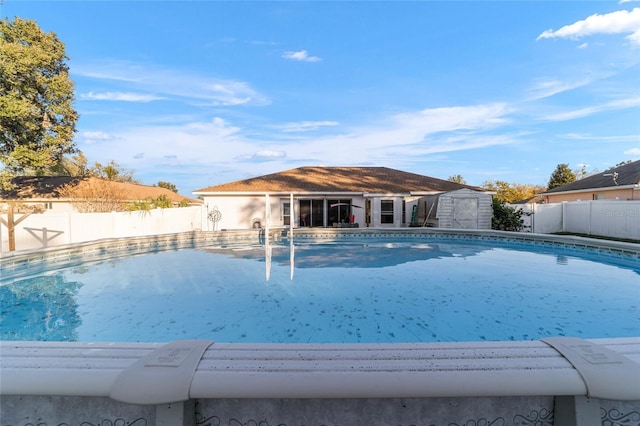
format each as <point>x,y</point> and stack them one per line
<point>507,218</point>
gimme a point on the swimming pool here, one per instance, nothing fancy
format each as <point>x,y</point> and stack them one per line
<point>358,288</point>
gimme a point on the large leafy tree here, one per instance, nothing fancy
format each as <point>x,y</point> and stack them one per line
<point>512,192</point>
<point>562,175</point>
<point>37,116</point>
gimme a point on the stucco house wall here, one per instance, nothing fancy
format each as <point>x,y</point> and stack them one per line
<point>631,193</point>
<point>244,211</point>
<point>235,211</point>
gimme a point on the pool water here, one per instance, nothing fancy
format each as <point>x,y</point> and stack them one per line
<point>360,291</point>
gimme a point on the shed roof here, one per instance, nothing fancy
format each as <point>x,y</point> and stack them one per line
<point>373,180</point>
<point>626,174</point>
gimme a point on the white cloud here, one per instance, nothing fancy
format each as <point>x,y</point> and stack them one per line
<point>93,137</point>
<point>174,84</point>
<point>619,22</point>
<point>214,141</point>
<point>120,96</point>
<point>217,145</point>
<point>588,137</point>
<point>634,152</point>
<point>584,112</point>
<point>300,55</point>
<point>269,154</point>
<point>304,126</point>
<point>411,134</point>
<point>583,45</point>
<point>546,88</point>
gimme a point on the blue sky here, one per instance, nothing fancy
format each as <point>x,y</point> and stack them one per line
<point>199,93</point>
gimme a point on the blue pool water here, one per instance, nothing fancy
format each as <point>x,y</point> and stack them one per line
<point>421,290</point>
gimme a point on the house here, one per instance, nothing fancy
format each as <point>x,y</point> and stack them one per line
<point>68,194</point>
<point>618,183</point>
<point>323,197</point>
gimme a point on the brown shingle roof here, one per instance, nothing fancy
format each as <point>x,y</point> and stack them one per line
<point>626,174</point>
<point>36,187</point>
<point>380,180</point>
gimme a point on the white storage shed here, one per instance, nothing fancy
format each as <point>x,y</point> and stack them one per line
<point>460,209</point>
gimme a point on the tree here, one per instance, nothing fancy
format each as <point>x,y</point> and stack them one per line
<point>112,171</point>
<point>512,192</point>
<point>74,166</point>
<point>94,196</point>
<point>37,117</point>
<point>167,185</point>
<point>562,175</point>
<point>457,179</point>
<point>581,172</point>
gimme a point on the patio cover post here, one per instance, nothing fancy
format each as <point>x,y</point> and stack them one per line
<point>292,216</point>
<point>267,213</point>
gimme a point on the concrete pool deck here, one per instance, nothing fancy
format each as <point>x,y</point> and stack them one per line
<point>558,381</point>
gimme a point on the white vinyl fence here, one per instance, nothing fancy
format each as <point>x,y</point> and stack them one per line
<point>54,229</point>
<point>608,218</point>
<point>617,219</point>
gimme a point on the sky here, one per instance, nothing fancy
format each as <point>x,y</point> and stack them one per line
<point>199,93</point>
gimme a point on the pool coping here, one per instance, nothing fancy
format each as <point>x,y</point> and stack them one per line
<point>155,373</point>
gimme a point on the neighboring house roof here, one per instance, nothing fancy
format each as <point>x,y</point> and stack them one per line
<point>371,180</point>
<point>50,187</point>
<point>531,200</point>
<point>621,176</point>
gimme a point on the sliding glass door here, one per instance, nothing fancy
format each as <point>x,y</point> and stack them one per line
<point>311,213</point>
<point>339,211</point>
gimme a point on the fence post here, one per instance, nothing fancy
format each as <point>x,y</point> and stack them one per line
<point>590,215</point>
<point>533,218</point>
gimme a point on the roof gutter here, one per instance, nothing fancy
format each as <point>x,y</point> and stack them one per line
<point>424,193</point>
<point>604,188</point>
<point>263,193</point>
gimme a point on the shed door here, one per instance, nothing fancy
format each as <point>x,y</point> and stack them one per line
<point>465,213</point>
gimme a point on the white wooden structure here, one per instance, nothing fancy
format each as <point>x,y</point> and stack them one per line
<point>460,209</point>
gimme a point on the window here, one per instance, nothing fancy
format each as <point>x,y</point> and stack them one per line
<point>386,211</point>
<point>286,213</point>
<point>404,211</point>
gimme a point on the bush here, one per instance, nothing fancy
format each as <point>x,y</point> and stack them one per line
<point>507,218</point>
